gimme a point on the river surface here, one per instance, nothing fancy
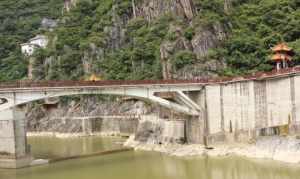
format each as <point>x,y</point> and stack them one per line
<point>51,147</point>
<point>139,165</point>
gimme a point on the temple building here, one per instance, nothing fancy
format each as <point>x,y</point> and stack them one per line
<point>282,55</point>
<point>39,41</point>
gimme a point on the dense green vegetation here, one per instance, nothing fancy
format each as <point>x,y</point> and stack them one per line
<point>257,25</point>
<point>90,23</point>
<point>253,26</point>
<point>20,20</point>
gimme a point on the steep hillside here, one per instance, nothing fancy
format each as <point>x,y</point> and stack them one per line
<point>20,20</point>
<point>147,39</point>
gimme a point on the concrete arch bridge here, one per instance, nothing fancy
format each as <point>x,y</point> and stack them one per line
<point>14,94</point>
<point>12,127</point>
<point>225,108</point>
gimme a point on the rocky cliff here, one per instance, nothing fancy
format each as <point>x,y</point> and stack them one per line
<point>151,9</point>
<point>70,117</point>
<point>117,28</point>
<point>198,42</point>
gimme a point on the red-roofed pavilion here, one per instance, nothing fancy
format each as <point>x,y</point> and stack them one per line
<point>282,55</point>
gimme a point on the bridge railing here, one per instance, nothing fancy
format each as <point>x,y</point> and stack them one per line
<point>32,84</point>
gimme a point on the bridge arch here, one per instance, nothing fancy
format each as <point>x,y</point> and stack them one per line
<point>13,97</point>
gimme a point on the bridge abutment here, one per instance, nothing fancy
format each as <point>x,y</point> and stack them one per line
<point>14,151</point>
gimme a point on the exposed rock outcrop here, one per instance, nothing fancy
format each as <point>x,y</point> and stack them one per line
<point>69,118</point>
<point>90,55</point>
<point>68,4</point>
<point>116,32</point>
<point>169,48</point>
<point>206,39</point>
<point>151,9</point>
<point>48,24</point>
<point>204,69</point>
<point>113,40</point>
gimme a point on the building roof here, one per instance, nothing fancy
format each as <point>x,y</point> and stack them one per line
<point>38,37</point>
<point>28,44</point>
<point>281,47</point>
<point>280,57</point>
<point>94,77</point>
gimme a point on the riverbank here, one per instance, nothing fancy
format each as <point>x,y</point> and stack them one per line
<point>283,149</point>
<point>130,164</point>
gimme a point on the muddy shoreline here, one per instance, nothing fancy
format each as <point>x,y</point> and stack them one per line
<point>290,154</point>
<point>283,149</point>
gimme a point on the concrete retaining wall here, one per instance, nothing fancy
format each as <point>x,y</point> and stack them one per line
<point>194,130</point>
<point>118,126</point>
<point>154,130</point>
<point>174,131</point>
<point>238,111</point>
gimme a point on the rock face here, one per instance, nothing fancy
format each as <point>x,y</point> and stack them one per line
<point>168,48</point>
<point>206,39</point>
<point>74,118</point>
<point>116,32</point>
<point>203,40</point>
<point>151,9</point>
<point>204,69</point>
<point>114,40</point>
<point>68,4</point>
<point>48,24</point>
<point>92,54</point>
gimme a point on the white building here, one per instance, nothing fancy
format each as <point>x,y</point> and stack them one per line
<point>40,41</point>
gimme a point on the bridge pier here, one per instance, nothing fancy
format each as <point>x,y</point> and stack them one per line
<point>14,151</point>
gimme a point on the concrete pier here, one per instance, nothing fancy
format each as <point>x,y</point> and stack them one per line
<point>14,151</point>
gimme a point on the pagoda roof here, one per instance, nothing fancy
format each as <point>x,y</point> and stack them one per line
<point>279,57</point>
<point>281,47</point>
<point>94,77</point>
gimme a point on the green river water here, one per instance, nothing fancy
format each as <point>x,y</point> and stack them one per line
<point>139,165</point>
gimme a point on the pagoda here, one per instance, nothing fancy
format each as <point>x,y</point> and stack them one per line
<point>282,55</point>
<point>94,77</point>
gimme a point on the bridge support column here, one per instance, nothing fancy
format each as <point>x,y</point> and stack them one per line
<point>14,151</point>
